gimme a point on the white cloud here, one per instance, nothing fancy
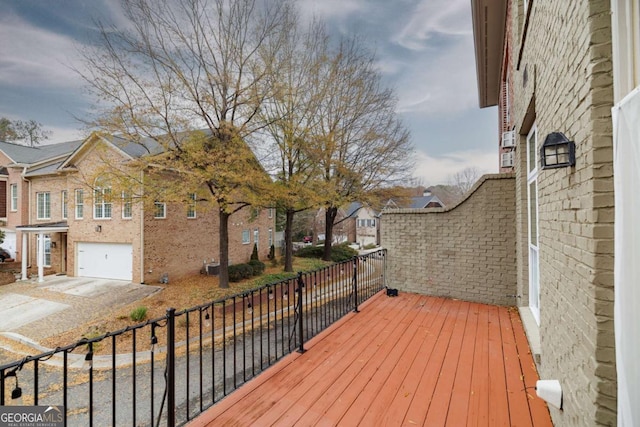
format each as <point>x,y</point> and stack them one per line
<point>443,82</point>
<point>330,9</point>
<point>438,170</point>
<point>450,17</point>
<point>35,57</point>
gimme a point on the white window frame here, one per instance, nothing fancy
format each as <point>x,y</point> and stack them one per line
<point>256,236</point>
<point>246,237</point>
<point>270,237</point>
<point>43,205</point>
<point>533,223</point>
<point>102,206</point>
<point>127,205</point>
<point>64,196</point>
<point>13,192</point>
<point>191,208</point>
<point>159,210</point>
<point>625,32</point>
<point>79,203</point>
<point>47,249</point>
<point>270,213</point>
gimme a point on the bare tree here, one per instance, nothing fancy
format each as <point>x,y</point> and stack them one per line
<point>463,180</point>
<point>184,66</point>
<point>359,143</point>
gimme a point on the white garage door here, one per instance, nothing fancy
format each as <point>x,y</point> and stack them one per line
<point>105,260</point>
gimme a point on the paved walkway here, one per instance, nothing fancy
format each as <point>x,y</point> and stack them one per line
<point>32,311</point>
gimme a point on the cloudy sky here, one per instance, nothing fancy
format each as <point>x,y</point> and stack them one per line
<point>424,47</point>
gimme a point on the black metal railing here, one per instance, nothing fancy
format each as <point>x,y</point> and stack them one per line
<point>168,370</point>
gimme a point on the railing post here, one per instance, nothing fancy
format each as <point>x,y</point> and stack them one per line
<point>171,367</point>
<point>355,284</point>
<point>300,314</point>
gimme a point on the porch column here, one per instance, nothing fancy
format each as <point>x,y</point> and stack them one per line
<point>40,257</point>
<point>25,255</point>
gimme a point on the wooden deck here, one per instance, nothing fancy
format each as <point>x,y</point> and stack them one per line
<point>412,360</point>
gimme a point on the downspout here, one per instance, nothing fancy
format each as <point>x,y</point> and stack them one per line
<point>142,232</point>
<point>25,248</point>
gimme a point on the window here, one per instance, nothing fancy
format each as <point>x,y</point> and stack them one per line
<point>256,235</point>
<point>532,208</point>
<point>160,210</point>
<point>127,205</point>
<point>14,197</point>
<point>246,237</point>
<point>270,237</point>
<point>102,200</point>
<point>44,205</point>
<point>79,203</point>
<point>270,212</point>
<point>64,198</point>
<point>625,38</point>
<point>47,250</point>
<point>191,209</point>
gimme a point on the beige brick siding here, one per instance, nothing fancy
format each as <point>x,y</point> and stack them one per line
<point>566,56</point>
<point>467,251</point>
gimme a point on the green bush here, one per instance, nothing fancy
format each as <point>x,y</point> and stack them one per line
<point>238,272</point>
<point>138,314</point>
<point>257,267</point>
<point>339,253</point>
<point>254,253</point>
<point>272,252</point>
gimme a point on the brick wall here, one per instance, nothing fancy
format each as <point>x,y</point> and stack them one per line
<point>563,82</point>
<point>467,251</point>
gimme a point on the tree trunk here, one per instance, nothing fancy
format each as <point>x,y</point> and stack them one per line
<point>224,249</point>
<point>288,240</point>
<point>330,214</point>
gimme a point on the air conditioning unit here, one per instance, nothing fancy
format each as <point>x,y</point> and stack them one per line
<point>506,160</point>
<point>508,139</point>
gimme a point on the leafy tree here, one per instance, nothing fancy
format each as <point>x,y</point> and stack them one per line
<point>292,117</point>
<point>7,133</point>
<point>178,67</point>
<point>30,132</point>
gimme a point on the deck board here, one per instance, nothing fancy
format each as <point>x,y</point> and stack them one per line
<point>409,360</point>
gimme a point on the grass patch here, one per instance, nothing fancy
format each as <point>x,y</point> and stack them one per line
<point>138,314</point>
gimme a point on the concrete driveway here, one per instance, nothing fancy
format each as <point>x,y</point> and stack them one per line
<point>35,311</point>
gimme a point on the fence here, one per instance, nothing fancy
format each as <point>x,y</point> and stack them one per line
<point>168,370</point>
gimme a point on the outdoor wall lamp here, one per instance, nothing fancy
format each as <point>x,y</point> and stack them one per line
<point>98,228</point>
<point>557,151</point>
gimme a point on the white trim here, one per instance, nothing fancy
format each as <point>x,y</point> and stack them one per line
<point>13,198</point>
<point>534,246</point>
<point>625,37</point>
<point>156,206</point>
<point>46,205</point>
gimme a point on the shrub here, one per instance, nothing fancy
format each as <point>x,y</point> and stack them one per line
<point>254,253</point>
<point>257,267</point>
<point>238,272</point>
<point>272,252</point>
<point>138,314</point>
<point>339,253</point>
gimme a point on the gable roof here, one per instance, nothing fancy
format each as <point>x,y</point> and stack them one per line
<point>422,201</point>
<point>22,154</point>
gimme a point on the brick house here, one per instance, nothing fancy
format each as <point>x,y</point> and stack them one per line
<point>561,66</point>
<point>64,218</point>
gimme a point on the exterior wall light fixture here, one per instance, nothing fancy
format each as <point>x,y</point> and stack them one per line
<point>557,151</point>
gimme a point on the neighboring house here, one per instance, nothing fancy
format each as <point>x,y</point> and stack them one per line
<point>427,200</point>
<point>64,219</point>
<point>560,67</point>
<point>355,223</point>
<point>363,224</point>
